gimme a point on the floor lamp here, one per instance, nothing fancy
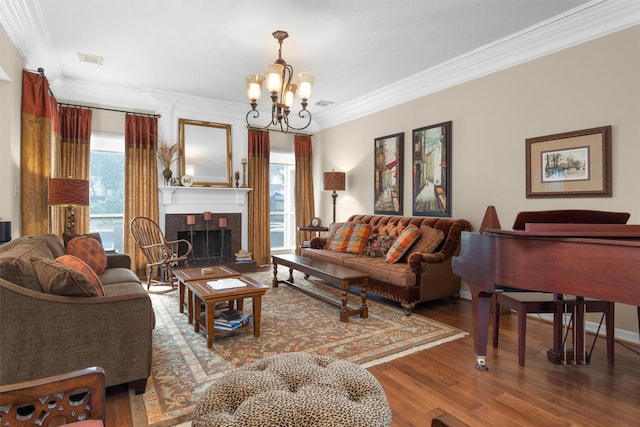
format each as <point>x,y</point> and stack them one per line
<point>70,193</point>
<point>334,181</point>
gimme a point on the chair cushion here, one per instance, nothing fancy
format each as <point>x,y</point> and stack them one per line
<point>64,278</point>
<point>402,244</point>
<point>351,238</point>
<point>90,251</point>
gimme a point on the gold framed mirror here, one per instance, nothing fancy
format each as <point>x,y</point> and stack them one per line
<point>206,148</point>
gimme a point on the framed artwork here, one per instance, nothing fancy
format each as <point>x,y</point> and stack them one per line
<point>388,172</point>
<point>571,164</point>
<point>432,170</point>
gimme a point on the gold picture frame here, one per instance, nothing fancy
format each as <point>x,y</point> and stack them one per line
<point>206,148</point>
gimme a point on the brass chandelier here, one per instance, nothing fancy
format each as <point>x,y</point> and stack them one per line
<point>278,77</point>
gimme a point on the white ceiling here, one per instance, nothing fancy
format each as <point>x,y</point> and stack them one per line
<point>205,48</point>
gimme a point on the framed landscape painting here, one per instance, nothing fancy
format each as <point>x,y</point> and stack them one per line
<point>571,164</point>
<point>388,171</point>
<point>432,170</point>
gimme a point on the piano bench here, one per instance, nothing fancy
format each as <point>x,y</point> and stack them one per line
<point>528,302</point>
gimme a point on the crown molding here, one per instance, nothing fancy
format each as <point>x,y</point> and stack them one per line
<point>590,21</point>
<point>22,21</point>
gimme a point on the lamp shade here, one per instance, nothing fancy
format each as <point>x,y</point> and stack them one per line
<point>334,181</point>
<point>68,192</point>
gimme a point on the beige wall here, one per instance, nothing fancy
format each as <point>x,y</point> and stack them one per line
<point>10,99</point>
<point>593,84</point>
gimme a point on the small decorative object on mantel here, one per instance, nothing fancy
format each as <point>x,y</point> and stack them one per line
<point>244,172</point>
<point>187,180</point>
<point>166,156</point>
<point>237,176</point>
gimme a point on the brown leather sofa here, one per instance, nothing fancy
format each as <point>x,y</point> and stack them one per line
<point>42,334</point>
<point>417,277</point>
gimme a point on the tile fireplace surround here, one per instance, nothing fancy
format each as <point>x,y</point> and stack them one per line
<point>197,200</point>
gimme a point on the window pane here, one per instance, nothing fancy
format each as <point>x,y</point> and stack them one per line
<point>282,202</point>
<point>106,189</point>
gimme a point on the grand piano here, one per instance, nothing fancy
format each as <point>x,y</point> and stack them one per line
<point>597,260</point>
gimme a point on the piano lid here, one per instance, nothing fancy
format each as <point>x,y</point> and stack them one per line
<point>569,216</point>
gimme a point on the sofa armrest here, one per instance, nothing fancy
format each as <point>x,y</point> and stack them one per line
<point>415,260</point>
<point>318,242</point>
<point>118,261</point>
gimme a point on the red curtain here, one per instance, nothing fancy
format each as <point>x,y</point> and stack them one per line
<point>141,179</point>
<point>259,209</point>
<point>71,160</point>
<point>305,209</point>
<point>38,127</point>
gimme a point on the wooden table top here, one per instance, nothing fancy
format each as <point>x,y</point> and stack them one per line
<point>215,272</point>
<point>205,292</point>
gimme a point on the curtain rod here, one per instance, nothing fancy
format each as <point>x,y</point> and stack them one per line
<point>40,71</point>
<point>109,109</point>
<point>275,129</point>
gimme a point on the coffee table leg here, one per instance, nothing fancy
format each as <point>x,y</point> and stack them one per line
<point>181,291</point>
<point>257,308</point>
<point>196,310</point>
<point>190,305</point>
<point>211,310</point>
<point>275,275</point>
<point>344,313</point>
<point>290,274</point>
<point>364,310</point>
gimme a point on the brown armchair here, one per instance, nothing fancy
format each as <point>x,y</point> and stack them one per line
<point>159,251</point>
<point>76,398</point>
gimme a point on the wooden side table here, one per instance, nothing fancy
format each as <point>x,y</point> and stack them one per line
<point>310,228</point>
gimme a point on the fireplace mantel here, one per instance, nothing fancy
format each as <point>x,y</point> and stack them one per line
<point>224,195</point>
<point>196,200</point>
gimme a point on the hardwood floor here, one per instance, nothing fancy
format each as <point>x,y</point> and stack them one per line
<point>442,380</point>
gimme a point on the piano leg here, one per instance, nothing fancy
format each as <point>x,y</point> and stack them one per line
<point>481,306</point>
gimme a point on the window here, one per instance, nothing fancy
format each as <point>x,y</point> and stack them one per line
<point>282,201</point>
<point>106,189</point>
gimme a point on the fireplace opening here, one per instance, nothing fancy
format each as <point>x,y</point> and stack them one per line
<point>208,246</point>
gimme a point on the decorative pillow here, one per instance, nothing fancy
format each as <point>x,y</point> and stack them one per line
<point>333,229</point>
<point>90,251</point>
<point>66,237</point>
<point>80,266</point>
<point>430,239</point>
<point>59,279</point>
<point>402,244</point>
<point>351,238</point>
<point>378,245</point>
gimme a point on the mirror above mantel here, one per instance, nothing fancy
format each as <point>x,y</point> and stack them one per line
<point>206,149</point>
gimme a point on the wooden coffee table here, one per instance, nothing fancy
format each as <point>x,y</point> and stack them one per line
<point>201,292</point>
<point>334,274</point>
<point>195,274</point>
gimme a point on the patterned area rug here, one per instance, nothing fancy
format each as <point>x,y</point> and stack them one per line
<point>183,366</point>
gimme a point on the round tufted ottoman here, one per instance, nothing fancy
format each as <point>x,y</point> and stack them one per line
<point>294,389</point>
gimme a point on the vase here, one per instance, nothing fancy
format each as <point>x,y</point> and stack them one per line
<point>167,173</point>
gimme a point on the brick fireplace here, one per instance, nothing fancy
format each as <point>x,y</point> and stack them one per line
<point>175,203</point>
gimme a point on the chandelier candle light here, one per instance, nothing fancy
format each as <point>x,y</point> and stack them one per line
<point>282,90</point>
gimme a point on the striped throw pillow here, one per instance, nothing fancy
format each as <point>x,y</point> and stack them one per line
<point>402,244</point>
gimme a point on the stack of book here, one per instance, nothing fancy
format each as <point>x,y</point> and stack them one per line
<point>243,256</point>
<point>232,324</point>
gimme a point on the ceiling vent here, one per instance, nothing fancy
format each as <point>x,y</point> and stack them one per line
<point>324,103</point>
<point>91,59</point>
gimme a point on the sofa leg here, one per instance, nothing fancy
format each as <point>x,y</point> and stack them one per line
<point>139,386</point>
<point>456,299</point>
<point>408,307</point>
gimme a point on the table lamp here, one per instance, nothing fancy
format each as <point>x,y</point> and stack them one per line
<point>334,181</point>
<point>69,192</point>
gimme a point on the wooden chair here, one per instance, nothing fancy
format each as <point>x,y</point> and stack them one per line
<point>159,251</point>
<point>76,398</point>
